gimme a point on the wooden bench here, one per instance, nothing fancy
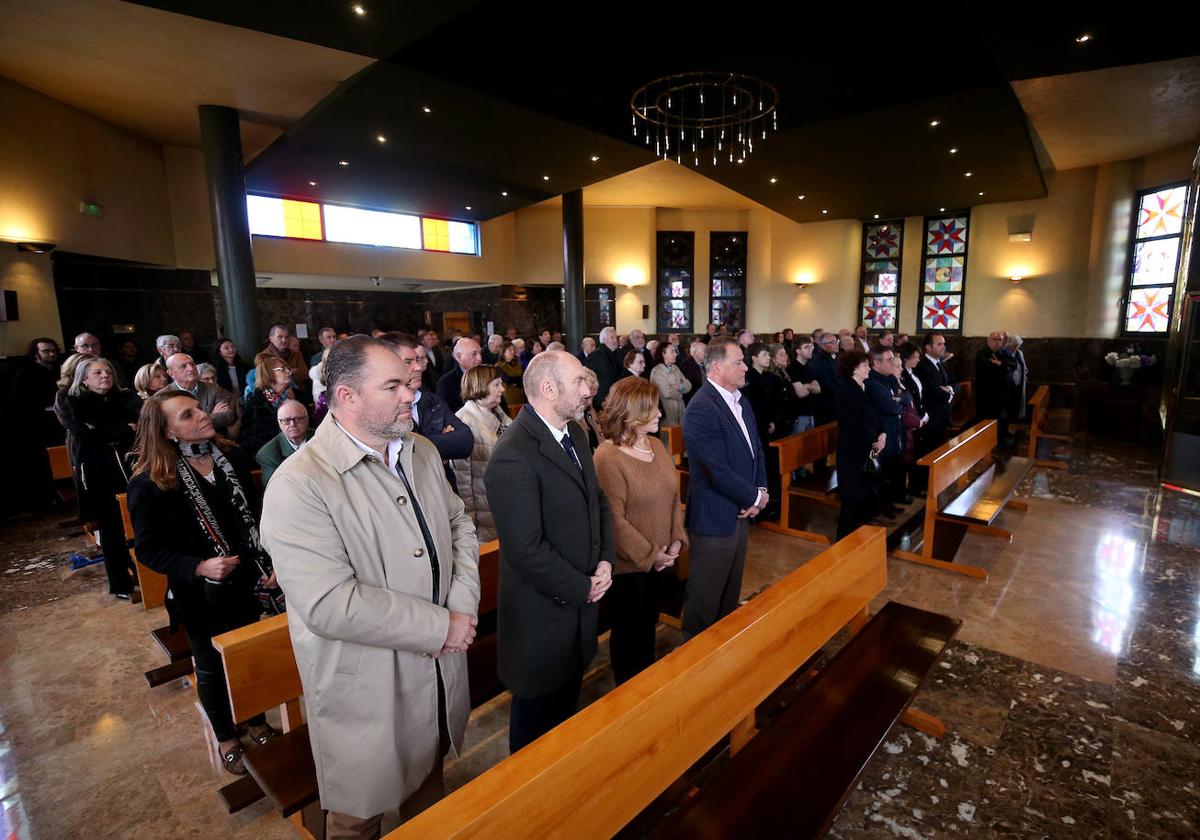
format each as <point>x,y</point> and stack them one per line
<point>675,446</point>
<point>1038,404</point>
<point>593,774</point>
<point>796,451</point>
<point>60,463</point>
<point>962,411</point>
<point>968,487</point>
<point>261,672</point>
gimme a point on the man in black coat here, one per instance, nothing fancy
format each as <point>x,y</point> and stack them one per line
<point>556,548</point>
<point>467,354</point>
<point>993,369</point>
<point>691,365</point>
<point>824,370</point>
<point>607,362</point>
<point>433,359</point>
<point>432,418</point>
<point>937,394</point>
<point>883,391</point>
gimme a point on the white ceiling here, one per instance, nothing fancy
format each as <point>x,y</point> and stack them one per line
<point>147,70</point>
<point>1084,119</point>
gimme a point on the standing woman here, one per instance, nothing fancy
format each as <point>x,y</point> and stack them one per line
<point>272,388</point>
<point>511,373</point>
<point>481,391</point>
<point>195,523</point>
<point>860,433</point>
<point>637,475</point>
<point>231,370</point>
<point>101,419</point>
<point>671,382</point>
<point>635,365</point>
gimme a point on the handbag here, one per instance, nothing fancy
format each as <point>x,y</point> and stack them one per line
<point>872,463</point>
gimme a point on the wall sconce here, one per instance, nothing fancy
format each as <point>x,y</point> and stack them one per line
<point>1017,279</point>
<point>803,280</point>
<point>629,277</point>
<point>35,247</point>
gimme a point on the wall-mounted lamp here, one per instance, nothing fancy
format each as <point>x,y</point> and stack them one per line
<point>803,280</point>
<point>629,277</point>
<point>1016,278</point>
<point>36,247</point>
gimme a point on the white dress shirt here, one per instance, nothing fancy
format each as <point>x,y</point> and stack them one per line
<point>393,449</point>
<point>733,399</point>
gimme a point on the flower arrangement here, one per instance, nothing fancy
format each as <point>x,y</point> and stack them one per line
<point>1128,361</point>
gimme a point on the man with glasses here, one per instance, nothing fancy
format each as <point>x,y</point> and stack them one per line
<point>824,371</point>
<point>166,345</point>
<point>294,433</point>
<point>87,343</point>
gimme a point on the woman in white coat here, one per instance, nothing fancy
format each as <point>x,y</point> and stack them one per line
<point>482,388</point>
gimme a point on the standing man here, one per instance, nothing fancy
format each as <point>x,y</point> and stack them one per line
<point>608,364</point>
<point>379,564</point>
<point>637,341</point>
<point>277,346</point>
<point>327,337</point>
<point>432,419</point>
<point>824,371</point>
<point>222,406</point>
<point>293,434</point>
<point>861,340</point>
<point>936,392</point>
<point>993,379</point>
<point>745,338</point>
<point>691,365</point>
<point>556,548</point>
<point>466,356</point>
<point>491,353</point>
<point>586,348</point>
<point>166,345</point>
<point>728,486</point>
<point>433,359</point>
<point>85,342</point>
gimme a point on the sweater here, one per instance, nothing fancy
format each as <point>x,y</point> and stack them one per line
<point>644,499</point>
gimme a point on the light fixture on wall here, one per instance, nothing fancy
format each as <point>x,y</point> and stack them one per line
<point>1016,278</point>
<point>35,247</point>
<point>629,277</point>
<point>802,280</point>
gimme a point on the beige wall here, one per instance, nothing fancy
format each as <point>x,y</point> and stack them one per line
<point>29,276</point>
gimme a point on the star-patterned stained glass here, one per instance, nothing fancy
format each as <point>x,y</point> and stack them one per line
<point>675,264</point>
<point>879,294</point>
<point>1154,258</point>
<point>944,272</point>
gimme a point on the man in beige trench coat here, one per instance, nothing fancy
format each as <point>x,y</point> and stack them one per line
<point>379,564</point>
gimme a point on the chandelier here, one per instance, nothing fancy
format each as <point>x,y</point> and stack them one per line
<point>705,116</point>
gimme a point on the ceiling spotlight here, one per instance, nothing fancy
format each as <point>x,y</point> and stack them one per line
<point>981,192</point>
<point>800,197</point>
<point>954,151</point>
<point>468,206</point>
<point>358,9</point>
<point>934,123</point>
<point>1084,38</point>
<point>545,177</point>
<point>773,180</point>
<point>312,183</point>
<point>381,138</point>
<point>343,163</point>
<point>876,215</point>
<point>504,193</point>
<point>967,174</point>
<point>595,158</point>
<point>941,209</point>
<point>741,160</point>
<point>426,109</point>
<point>826,212</point>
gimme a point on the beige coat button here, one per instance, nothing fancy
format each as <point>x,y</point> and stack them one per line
<point>402,501</point>
<point>418,552</point>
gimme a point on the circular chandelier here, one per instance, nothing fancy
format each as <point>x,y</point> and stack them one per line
<point>705,116</point>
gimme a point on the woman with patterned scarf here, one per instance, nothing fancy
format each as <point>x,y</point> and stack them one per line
<point>273,387</point>
<point>195,521</point>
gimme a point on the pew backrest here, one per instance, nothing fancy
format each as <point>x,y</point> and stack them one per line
<point>1038,403</point>
<point>153,584</point>
<point>795,451</point>
<point>674,442</point>
<point>591,775</point>
<point>956,456</point>
<point>60,462</point>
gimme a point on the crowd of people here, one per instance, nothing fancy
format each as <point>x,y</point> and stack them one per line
<point>368,533</point>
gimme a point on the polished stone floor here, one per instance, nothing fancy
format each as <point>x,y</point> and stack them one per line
<point>1071,698</point>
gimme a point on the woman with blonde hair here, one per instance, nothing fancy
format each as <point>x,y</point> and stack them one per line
<point>481,391</point>
<point>637,475</point>
<point>149,380</point>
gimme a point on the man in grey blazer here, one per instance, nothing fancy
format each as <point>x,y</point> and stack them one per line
<point>556,548</point>
<point>222,406</point>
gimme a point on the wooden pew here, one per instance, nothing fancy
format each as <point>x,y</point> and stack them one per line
<point>1038,404</point>
<point>261,672</point>
<point>962,410</point>
<point>60,463</point>
<point>968,487</point>
<point>796,451</point>
<point>674,435</point>
<point>593,774</point>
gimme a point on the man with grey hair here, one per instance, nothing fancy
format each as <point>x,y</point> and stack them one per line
<point>379,563</point>
<point>637,341</point>
<point>167,346</point>
<point>727,486</point>
<point>608,363</point>
<point>222,406</point>
<point>586,348</point>
<point>556,548</point>
<point>691,365</point>
<point>85,342</point>
<point>294,433</point>
<point>467,355</point>
<point>491,353</point>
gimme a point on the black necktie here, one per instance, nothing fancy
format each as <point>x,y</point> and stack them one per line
<point>569,446</point>
<point>425,535</point>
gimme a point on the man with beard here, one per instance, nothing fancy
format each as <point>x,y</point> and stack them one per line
<point>556,548</point>
<point>379,563</point>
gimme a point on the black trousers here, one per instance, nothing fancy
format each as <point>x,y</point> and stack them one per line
<point>633,608</point>
<point>714,586</point>
<point>118,565</point>
<point>235,609</point>
<point>532,717</point>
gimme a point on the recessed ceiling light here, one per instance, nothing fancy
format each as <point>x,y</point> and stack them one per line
<point>595,158</point>
<point>358,9</point>
<point>876,215</point>
<point>468,206</point>
<point>968,174</point>
<point>773,180</point>
<point>941,209</point>
<point>954,151</point>
<point>381,138</point>
<point>741,160</point>
<point>343,163</point>
<point>825,211</point>
<point>981,192</point>
<point>800,197</point>
<point>312,183</point>
<point>934,123</point>
<point>426,109</point>
<point>504,193</point>
<point>1084,38</point>
<point>545,177</point>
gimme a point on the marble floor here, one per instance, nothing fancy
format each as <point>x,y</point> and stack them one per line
<point>1071,697</point>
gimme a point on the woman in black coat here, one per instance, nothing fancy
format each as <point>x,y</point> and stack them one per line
<point>859,434</point>
<point>100,419</point>
<point>195,518</point>
<point>231,370</point>
<point>272,388</point>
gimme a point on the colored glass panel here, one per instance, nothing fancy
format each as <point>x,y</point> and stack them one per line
<point>1148,310</point>
<point>462,238</point>
<point>1154,262</point>
<point>943,274</point>
<point>437,234</point>
<point>879,312</point>
<point>302,219</point>
<point>941,312</point>
<point>1161,213</point>
<point>946,236</point>
<point>882,241</point>
<point>371,227</point>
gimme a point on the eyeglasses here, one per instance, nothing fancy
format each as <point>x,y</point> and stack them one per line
<point>278,370</point>
<point>287,421</point>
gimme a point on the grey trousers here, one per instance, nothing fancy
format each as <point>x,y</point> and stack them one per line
<point>714,583</point>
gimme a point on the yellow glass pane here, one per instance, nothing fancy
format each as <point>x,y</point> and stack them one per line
<point>301,219</point>
<point>437,234</point>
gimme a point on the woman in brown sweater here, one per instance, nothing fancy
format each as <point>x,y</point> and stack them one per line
<point>637,475</point>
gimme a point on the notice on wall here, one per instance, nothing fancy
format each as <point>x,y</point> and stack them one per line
<point>489,330</point>
<point>302,331</point>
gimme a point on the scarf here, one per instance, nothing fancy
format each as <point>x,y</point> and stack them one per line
<point>272,600</point>
<point>276,399</point>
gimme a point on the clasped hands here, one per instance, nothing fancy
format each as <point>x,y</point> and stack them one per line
<point>461,633</point>
<point>667,556</point>
<point>756,508</point>
<point>601,581</point>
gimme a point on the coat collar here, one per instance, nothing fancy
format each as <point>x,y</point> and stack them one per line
<point>343,453</point>
<point>533,425</point>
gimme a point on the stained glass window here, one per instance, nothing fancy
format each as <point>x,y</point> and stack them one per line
<point>1153,258</point>
<point>883,243</point>
<point>727,273</point>
<point>944,273</point>
<point>675,267</point>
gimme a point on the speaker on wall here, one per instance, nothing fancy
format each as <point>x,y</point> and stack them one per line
<point>8,306</point>
<point>645,311</point>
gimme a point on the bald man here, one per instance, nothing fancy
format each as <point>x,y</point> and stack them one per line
<point>467,354</point>
<point>556,547</point>
<point>294,433</point>
<point>993,377</point>
<point>222,406</point>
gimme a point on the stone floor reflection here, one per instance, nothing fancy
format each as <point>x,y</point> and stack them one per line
<point>1071,698</point>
